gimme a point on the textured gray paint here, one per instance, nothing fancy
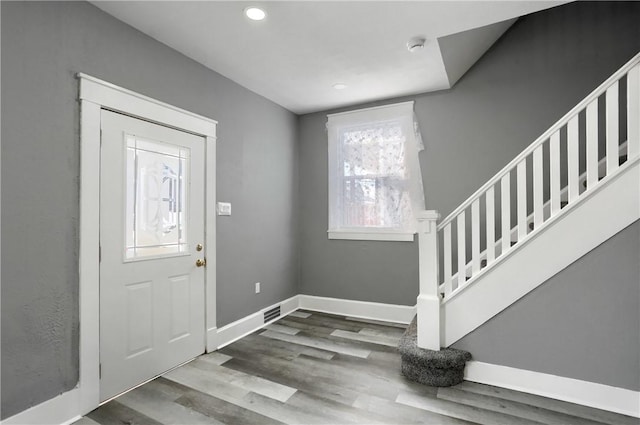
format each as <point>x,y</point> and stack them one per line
<point>43,46</point>
<point>536,72</point>
<point>583,323</point>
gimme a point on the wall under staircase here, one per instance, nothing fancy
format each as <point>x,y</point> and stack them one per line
<point>572,189</point>
<point>572,234</point>
<point>594,303</point>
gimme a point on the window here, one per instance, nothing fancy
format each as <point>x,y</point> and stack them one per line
<point>375,185</point>
<point>156,199</point>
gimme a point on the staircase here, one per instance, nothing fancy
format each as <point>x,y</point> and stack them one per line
<point>570,190</point>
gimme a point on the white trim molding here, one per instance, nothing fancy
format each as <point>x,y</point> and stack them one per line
<point>408,105</point>
<point>371,236</point>
<point>63,409</point>
<point>210,239</point>
<point>361,309</point>
<point>249,324</point>
<point>110,96</point>
<point>599,396</point>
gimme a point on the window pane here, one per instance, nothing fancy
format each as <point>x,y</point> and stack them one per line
<point>156,199</point>
<point>375,187</point>
<point>374,150</point>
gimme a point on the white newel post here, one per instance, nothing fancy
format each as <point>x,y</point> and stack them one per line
<point>429,299</point>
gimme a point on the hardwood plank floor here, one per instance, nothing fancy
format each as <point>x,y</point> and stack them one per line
<point>550,404</point>
<point>315,368</point>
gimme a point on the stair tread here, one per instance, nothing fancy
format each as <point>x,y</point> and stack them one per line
<point>460,411</point>
<point>510,407</point>
<point>549,404</point>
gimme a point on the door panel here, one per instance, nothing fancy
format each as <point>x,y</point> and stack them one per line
<point>139,318</point>
<point>151,219</point>
<point>180,302</point>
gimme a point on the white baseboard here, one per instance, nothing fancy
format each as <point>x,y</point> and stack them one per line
<point>243,327</point>
<point>62,409</point>
<point>599,396</point>
<point>362,309</point>
<point>218,338</point>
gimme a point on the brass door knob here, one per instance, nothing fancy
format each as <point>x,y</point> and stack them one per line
<point>200,262</point>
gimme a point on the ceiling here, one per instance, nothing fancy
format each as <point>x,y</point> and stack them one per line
<point>296,55</point>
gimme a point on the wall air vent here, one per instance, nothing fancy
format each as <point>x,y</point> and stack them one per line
<point>269,315</point>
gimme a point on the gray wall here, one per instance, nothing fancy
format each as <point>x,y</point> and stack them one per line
<point>583,323</point>
<point>358,270</point>
<point>536,72</point>
<point>542,66</point>
<point>43,46</point>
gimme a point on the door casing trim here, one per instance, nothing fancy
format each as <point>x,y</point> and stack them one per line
<point>95,95</point>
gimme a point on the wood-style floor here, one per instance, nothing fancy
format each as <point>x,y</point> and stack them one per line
<point>313,368</point>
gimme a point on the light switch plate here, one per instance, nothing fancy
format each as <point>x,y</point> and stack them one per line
<point>224,208</point>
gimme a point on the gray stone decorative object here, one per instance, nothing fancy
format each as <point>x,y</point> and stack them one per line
<point>442,368</point>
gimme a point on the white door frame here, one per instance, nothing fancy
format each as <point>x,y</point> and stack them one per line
<point>95,95</point>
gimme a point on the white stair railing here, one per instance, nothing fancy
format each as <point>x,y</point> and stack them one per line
<point>602,166</point>
<point>533,188</point>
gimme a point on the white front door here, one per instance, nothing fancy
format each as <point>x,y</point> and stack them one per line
<point>151,241</point>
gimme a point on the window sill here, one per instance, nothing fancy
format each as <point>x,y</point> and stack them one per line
<point>371,235</point>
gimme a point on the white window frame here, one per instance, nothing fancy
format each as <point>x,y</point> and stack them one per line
<point>413,144</point>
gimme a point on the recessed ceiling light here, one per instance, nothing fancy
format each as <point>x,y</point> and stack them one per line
<point>255,13</point>
<point>339,86</point>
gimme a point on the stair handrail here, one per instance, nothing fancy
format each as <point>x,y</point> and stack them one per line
<point>530,217</point>
<point>545,136</point>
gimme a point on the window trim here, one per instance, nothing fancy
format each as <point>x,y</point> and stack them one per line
<point>362,233</point>
<point>370,234</point>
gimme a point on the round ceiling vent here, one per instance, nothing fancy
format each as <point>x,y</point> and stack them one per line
<point>416,43</point>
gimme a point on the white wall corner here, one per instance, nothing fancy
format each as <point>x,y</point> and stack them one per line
<point>598,396</point>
